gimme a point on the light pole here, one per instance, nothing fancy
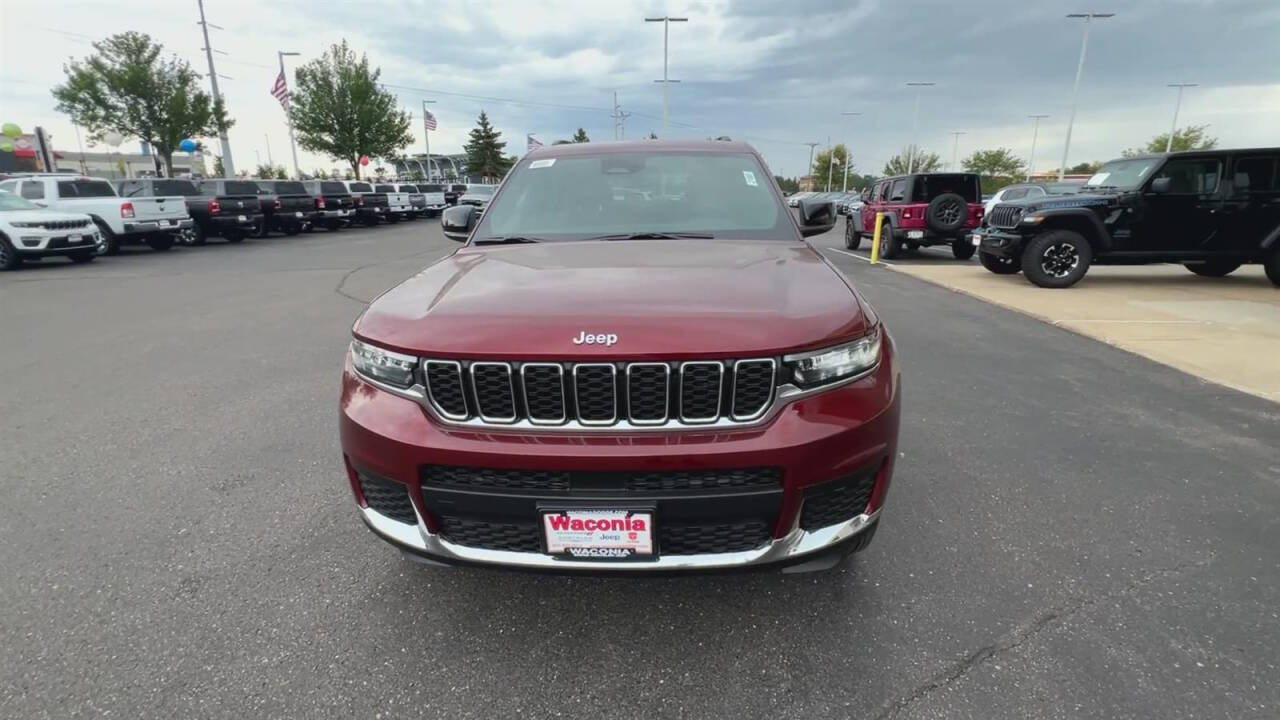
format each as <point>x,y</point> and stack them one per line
<point>808,170</point>
<point>847,163</point>
<point>1075,92</point>
<point>915,125</point>
<point>831,161</point>
<point>1035,133</point>
<point>293,144</point>
<point>426,133</point>
<point>270,162</point>
<point>955,147</point>
<point>1168,146</point>
<point>228,167</point>
<point>666,82</point>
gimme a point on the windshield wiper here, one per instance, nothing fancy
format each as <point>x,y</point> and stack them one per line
<point>653,236</point>
<point>505,240</point>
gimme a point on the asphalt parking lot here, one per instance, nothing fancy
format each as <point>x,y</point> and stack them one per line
<point>1074,531</point>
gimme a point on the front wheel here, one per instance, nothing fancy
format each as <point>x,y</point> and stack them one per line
<point>109,244</point>
<point>1000,265</point>
<point>1057,259</point>
<point>852,238</point>
<point>1213,268</point>
<point>9,258</point>
<point>962,249</point>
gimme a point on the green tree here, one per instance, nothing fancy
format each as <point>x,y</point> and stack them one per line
<point>126,87</point>
<point>1085,167</point>
<point>997,163</point>
<point>219,170</point>
<point>485,156</point>
<point>787,185</point>
<point>1192,137</point>
<point>265,172</point>
<point>925,161</point>
<point>282,173</point>
<point>320,174</point>
<point>581,136</point>
<point>822,163</point>
<point>338,108</point>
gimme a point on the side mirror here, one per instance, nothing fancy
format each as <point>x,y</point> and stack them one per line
<point>816,217</point>
<point>458,221</point>
<point>1161,185</point>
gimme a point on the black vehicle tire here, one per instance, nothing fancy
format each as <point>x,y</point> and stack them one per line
<point>1213,268</point>
<point>946,213</point>
<point>1271,266</point>
<point>260,229</point>
<point>370,221</point>
<point>1056,259</point>
<point>160,242</point>
<point>233,236</point>
<point>109,244</point>
<point>1000,265</point>
<point>334,225</point>
<point>9,258</point>
<point>962,249</point>
<point>198,236</point>
<point>852,238</point>
<point>890,246</point>
<point>82,257</point>
<point>292,230</point>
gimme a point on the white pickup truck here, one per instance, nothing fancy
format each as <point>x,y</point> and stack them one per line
<point>398,204</point>
<point>155,221</point>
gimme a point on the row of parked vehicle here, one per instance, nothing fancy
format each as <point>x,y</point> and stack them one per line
<point>57,214</point>
<point>1210,210</point>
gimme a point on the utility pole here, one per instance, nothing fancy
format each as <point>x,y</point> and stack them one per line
<point>619,119</point>
<point>666,82</point>
<point>1168,146</point>
<point>270,162</point>
<point>293,144</point>
<point>915,126</point>
<point>809,169</point>
<point>830,161</point>
<point>955,147</point>
<point>426,134</point>
<point>1075,92</point>
<point>847,160</point>
<point>228,166</point>
<point>1035,133</point>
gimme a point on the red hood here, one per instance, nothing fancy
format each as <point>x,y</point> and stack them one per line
<point>665,299</point>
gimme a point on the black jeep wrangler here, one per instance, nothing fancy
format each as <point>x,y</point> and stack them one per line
<point>1211,210</point>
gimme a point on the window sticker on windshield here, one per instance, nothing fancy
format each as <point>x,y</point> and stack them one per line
<point>750,177</point>
<point>542,163</point>
<point>1098,178</point>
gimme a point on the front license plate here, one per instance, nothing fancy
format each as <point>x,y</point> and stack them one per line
<point>977,239</point>
<point>915,234</point>
<point>297,214</point>
<point>598,534</point>
<point>242,218</point>
<point>75,238</point>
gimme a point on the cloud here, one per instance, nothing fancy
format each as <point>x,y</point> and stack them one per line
<point>775,74</point>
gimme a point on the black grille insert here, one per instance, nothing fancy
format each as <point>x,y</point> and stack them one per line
<point>721,538</point>
<point>491,535</point>
<point>753,383</point>
<point>387,497</point>
<point>444,382</point>
<point>648,385</point>
<point>544,392</point>
<point>700,391</point>
<point>465,477</point>
<point>837,501</point>
<point>495,398</point>
<point>632,483</point>
<point>596,391</point>
<point>1005,216</point>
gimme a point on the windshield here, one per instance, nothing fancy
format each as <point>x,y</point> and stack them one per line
<point>1123,174</point>
<point>582,196</point>
<point>9,201</point>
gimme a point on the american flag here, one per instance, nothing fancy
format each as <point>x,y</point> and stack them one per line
<point>429,119</point>
<point>281,90</point>
<point>531,143</point>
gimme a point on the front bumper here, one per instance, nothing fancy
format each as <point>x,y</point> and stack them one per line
<point>926,237</point>
<point>37,242</point>
<point>813,441</point>
<point>1001,243</point>
<point>153,226</point>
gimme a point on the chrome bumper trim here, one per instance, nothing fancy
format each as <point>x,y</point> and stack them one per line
<point>797,544</point>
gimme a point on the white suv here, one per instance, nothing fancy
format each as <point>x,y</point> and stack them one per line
<point>29,232</point>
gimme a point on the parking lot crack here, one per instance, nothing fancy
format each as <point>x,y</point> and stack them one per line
<point>1023,634</point>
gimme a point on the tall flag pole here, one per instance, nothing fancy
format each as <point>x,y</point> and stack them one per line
<point>428,124</point>
<point>281,93</point>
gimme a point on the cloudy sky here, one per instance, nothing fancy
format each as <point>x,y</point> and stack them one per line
<point>777,74</point>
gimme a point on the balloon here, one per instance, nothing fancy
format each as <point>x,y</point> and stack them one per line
<point>113,139</point>
<point>364,160</point>
<point>11,131</point>
<point>6,147</point>
<point>187,145</point>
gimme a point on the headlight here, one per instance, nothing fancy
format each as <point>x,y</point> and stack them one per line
<point>842,361</point>
<point>383,365</point>
<point>28,224</point>
<point>1032,219</point>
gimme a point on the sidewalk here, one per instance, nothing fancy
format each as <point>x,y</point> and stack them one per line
<point>1225,330</point>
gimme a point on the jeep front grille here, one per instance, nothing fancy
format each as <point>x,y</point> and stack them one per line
<point>600,394</point>
<point>1005,216</point>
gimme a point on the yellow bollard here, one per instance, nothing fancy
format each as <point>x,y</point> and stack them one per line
<point>875,240</point>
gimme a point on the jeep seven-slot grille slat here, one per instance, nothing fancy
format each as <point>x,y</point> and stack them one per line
<point>601,394</point>
<point>1005,216</point>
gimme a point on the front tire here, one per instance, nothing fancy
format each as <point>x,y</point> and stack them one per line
<point>962,249</point>
<point>852,238</point>
<point>110,244</point>
<point>1057,259</point>
<point>1000,265</point>
<point>9,257</point>
<point>1213,268</point>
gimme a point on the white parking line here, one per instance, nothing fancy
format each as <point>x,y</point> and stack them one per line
<point>864,259</point>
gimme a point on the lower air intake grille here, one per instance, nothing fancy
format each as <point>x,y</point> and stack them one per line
<point>516,537</point>
<point>837,501</point>
<point>698,539</point>
<point>387,498</point>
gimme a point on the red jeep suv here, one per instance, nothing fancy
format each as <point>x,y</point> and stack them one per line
<point>920,210</point>
<point>635,363</point>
